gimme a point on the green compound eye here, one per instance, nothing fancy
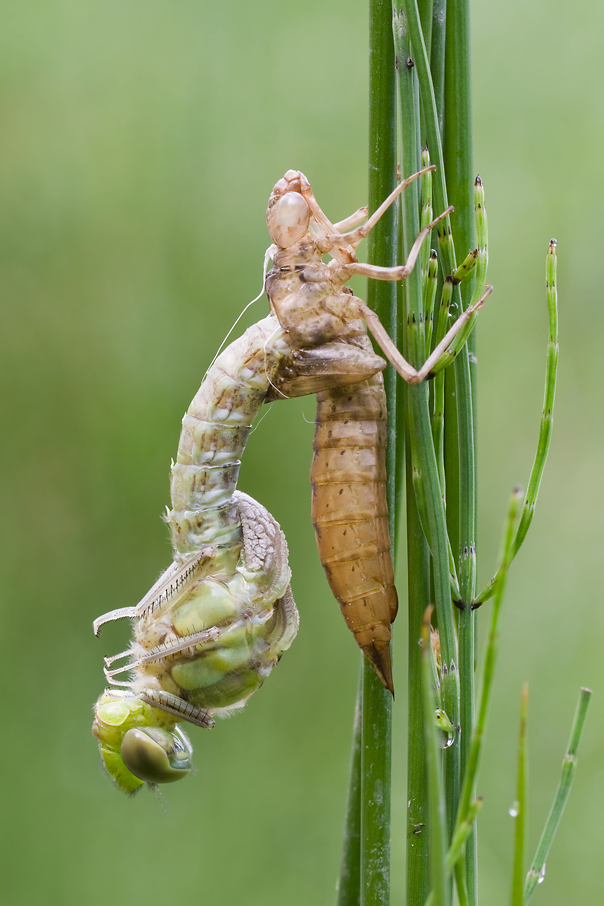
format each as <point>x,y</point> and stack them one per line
<point>156,756</point>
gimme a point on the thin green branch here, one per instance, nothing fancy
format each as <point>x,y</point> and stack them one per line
<point>424,463</point>
<point>466,437</point>
<point>474,264</point>
<point>375,790</point>
<point>426,14</point>
<point>536,872</point>
<point>460,884</point>
<point>437,58</point>
<point>349,882</point>
<point>418,838</point>
<point>462,832</point>
<point>489,665</point>
<point>425,458</point>
<point>520,806</point>
<point>436,801</point>
<point>430,118</point>
<point>547,417</point>
<point>376,718</point>
<point>455,852</point>
<point>459,169</point>
<point>410,24</point>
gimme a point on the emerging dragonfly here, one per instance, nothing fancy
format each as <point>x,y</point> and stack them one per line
<point>212,628</point>
<point>215,624</point>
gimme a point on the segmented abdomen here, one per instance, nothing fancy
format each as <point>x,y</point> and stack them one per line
<point>215,430</point>
<point>350,513</point>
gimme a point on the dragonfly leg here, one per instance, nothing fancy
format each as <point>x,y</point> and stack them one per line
<point>400,364</point>
<point>287,622</point>
<point>356,236</point>
<point>396,359</point>
<point>432,360</point>
<point>350,222</point>
<point>376,272</point>
<point>119,614</point>
<point>318,368</point>
<point>181,643</point>
<point>173,704</point>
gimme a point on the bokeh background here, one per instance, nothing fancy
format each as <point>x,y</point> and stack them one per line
<point>139,142</point>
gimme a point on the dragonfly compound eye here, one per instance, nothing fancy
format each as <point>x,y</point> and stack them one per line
<point>288,219</point>
<point>155,755</point>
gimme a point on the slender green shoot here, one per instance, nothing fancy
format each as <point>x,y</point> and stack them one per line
<point>476,261</point>
<point>376,718</point>
<point>462,832</point>
<point>437,57</point>
<point>456,851</point>
<point>460,884</point>
<point>536,872</point>
<point>466,267</point>
<point>547,417</point>
<point>375,790</point>
<point>518,811</point>
<point>430,287</point>
<point>349,882</point>
<point>427,214</point>
<point>489,663</point>
<point>418,839</point>
<point>420,429</point>
<point>438,387</point>
<point>436,801</point>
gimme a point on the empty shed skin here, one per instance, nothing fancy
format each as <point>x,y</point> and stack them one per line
<point>332,356</point>
<point>348,475</point>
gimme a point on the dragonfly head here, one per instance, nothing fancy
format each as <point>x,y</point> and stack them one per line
<point>288,214</point>
<point>138,743</point>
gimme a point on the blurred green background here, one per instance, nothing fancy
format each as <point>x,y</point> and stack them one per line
<point>139,143</point>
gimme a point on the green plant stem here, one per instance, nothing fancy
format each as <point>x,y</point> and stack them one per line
<point>375,790</point>
<point>436,802</point>
<point>418,574</point>
<point>457,144</point>
<point>461,501</point>
<point>453,860</point>
<point>547,416</point>
<point>490,661</point>
<point>349,882</point>
<point>425,454</point>
<point>423,457</point>
<point>416,342</point>
<point>376,716</point>
<point>520,808</point>
<point>459,436</point>
<point>437,58</point>
<point>569,765</point>
<point>426,16</point>
<point>418,836</point>
<point>462,833</point>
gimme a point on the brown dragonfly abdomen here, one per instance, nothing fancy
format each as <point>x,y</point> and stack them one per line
<point>350,513</point>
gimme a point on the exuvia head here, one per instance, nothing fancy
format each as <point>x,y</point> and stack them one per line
<point>138,743</point>
<point>288,213</point>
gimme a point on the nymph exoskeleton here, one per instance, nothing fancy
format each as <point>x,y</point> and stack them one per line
<point>333,357</point>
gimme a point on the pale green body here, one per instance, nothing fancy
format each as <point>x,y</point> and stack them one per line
<point>210,631</point>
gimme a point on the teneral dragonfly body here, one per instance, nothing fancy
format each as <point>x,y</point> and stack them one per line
<point>212,628</point>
